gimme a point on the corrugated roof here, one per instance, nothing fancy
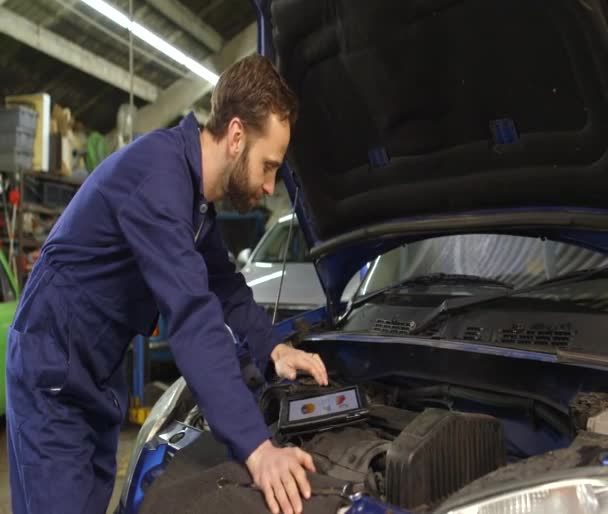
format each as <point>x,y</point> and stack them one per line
<point>93,101</point>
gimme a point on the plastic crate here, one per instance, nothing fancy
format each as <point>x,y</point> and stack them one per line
<point>18,139</point>
<point>18,118</point>
<point>15,160</point>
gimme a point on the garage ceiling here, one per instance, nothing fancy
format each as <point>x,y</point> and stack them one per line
<point>79,57</point>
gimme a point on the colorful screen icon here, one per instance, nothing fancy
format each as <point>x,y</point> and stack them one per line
<point>308,408</point>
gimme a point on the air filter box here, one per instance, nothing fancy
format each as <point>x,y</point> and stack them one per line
<point>440,452</point>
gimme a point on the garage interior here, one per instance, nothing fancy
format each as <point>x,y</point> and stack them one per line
<point>435,251</point>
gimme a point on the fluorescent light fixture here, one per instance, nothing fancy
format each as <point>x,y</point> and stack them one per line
<point>152,39</point>
<point>265,278</point>
<point>109,12</point>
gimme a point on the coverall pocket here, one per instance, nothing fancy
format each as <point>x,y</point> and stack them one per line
<point>38,360</point>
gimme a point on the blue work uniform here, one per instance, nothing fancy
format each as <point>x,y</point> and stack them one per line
<point>138,238</point>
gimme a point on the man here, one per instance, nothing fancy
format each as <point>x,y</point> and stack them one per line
<point>140,238</point>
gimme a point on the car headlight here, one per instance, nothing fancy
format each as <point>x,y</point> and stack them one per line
<point>581,491</point>
<point>157,418</point>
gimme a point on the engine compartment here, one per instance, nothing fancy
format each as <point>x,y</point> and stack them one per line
<point>415,449</point>
<point>418,446</point>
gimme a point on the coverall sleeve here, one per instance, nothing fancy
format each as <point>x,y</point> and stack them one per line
<point>242,313</point>
<point>157,224</point>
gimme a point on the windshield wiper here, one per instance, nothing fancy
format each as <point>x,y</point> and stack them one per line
<point>456,305</point>
<point>582,274</point>
<point>438,278</point>
<point>429,279</point>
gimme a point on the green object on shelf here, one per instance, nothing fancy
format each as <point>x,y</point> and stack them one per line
<point>97,150</point>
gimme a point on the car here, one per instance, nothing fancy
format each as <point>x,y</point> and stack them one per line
<point>263,267</point>
<point>9,293</point>
<point>460,147</point>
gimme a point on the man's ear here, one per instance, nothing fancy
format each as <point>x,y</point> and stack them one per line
<point>236,137</point>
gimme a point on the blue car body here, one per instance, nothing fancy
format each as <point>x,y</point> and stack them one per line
<point>461,131</point>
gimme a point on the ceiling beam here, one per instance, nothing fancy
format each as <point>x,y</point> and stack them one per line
<point>183,93</point>
<point>65,8</point>
<point>189,22</point>
<point>148,55</point>
<point>67,52</point>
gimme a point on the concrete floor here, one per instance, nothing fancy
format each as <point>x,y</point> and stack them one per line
<point>127,438</point>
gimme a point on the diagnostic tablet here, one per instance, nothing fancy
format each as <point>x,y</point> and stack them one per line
<point>322,410</point>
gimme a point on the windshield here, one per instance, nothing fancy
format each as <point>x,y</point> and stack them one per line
<point>515,260</point>
<point>272,247</point>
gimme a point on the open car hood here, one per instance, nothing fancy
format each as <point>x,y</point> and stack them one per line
<point>420,118</point>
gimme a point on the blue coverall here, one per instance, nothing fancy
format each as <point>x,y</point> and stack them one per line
<point>138,238</point>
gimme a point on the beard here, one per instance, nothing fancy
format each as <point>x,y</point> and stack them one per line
<point>238,191</point>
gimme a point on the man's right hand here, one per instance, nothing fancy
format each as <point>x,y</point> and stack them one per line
<point>280,474</point>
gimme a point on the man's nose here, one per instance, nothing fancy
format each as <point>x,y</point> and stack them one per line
<point>268,186</point>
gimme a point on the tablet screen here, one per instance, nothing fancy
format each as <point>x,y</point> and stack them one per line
<point>316,406</point>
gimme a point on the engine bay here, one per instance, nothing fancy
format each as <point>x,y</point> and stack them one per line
<point>413,448</point>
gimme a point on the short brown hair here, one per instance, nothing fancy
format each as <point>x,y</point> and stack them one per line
<point>250,90</point>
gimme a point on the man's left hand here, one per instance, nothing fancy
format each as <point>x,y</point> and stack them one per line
<point>288,361</point>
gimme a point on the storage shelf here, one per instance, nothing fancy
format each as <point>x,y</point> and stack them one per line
<point>41,209</point>
<point>34,187</point>
<point>55,178</point>
<point>26,241</point>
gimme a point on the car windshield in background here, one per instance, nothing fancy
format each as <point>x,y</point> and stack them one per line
<point>519,262</point>
<point>272,248</point>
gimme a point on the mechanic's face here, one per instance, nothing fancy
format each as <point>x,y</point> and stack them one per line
<point>253,174</point>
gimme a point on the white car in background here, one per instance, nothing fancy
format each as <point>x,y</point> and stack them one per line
<point>262,269</point>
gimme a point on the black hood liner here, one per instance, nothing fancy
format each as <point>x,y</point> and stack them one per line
<point>398,98</point>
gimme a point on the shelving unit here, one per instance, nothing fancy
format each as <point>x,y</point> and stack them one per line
<point>52,177</point>
<point>41,209</point>
<point>26,242</point>
<point>32,189</point>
